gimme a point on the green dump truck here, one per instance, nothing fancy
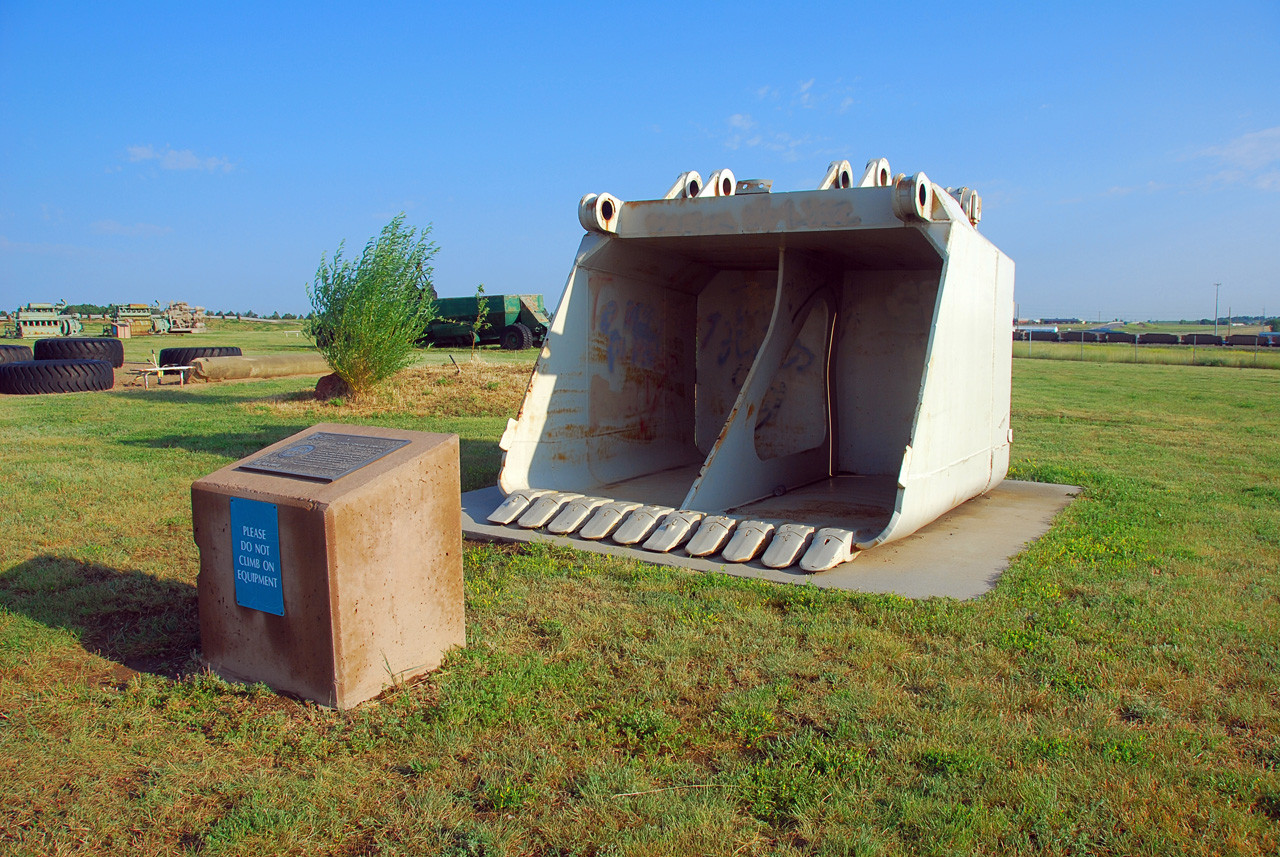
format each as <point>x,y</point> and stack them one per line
<point>515,322</point>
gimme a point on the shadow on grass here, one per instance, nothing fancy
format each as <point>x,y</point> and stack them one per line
<point>233,444</point>
<point>481,461</point>
<point>145,623</point>
<point>234,392</point>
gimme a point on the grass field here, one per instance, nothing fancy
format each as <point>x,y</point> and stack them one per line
<point>263,337</point>
<point>1117,693</point>
<point>1166,355</point>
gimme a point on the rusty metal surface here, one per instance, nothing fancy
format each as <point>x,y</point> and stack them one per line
<point>716,349</point>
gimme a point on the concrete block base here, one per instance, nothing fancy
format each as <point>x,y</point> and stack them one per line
<point>960,555</point>
<point>367,567</point>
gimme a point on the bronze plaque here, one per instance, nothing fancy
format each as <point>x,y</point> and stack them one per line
<point>324,456</point>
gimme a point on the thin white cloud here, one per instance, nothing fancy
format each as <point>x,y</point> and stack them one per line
<point>1250,151</point>
<point>51,212</point>
<point>803,96</point>
<point>177,159</point>
<point>786,145</point>
<point>136,230</point>
<point>835,96</point>
<point>1252,158</point>
<point>740,128</point>
<point>743,132</point>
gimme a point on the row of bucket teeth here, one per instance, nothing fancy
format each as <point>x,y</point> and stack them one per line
<point>663,529</point>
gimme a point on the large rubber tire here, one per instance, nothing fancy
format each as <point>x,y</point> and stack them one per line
<point>15,353</point>
<point>517,337</point>
<point>82,348</point>
<point>184,356</point>
<point>56,376</point>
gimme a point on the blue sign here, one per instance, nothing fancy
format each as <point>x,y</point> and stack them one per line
<point>255,551</point>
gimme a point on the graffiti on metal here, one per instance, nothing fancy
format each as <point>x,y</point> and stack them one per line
<point>798,376</point>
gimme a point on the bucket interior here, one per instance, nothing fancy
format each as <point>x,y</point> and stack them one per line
<point>827,332</point>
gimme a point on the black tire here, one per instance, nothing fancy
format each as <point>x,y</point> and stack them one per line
<point>82,348</point>
<point>517,337</point>
<point>15,353</point>
<point>56,376</point>
<point>184,356</point>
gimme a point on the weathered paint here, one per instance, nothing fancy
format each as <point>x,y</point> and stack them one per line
<point>720,353</point>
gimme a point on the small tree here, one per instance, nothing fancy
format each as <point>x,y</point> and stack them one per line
<point>369,314</point>
<point>482,310</point>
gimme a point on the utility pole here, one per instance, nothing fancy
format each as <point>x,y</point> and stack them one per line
<point>1215,308</point>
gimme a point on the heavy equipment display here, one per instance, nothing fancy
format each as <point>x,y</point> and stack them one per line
<point>515,322</point>
<point>146,319</point>
<point>36,320</point>
<point>783,377</point>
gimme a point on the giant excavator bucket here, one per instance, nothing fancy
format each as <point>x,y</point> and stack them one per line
<point>787,378</point>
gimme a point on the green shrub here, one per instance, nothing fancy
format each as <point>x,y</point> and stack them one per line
<point>370,313</point>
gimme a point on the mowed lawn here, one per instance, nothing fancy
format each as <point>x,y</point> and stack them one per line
<point>1118,692</point>
<point>259,337</point>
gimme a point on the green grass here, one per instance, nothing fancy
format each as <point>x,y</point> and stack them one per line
<point>260,337</point>
<point>1116,693</point>
<point>1165,355</point>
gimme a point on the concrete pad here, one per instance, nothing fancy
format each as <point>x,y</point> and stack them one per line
<point>332,590</point>
<point>960,555</point>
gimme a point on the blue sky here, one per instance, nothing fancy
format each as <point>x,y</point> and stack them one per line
<point>211,153</point>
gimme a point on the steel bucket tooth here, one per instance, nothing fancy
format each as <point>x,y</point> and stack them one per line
<point>789,542</point>
<point>544,508</point>
<point>514,506</point>
<point>640,523</point>
<point>712,534</point>
<point>748,540</point>
<point>831,546</point>
<point>575,514</point>
<point>606,519</point>
<point>673,532</point>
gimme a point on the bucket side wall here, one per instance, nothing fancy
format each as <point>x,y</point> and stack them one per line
<point>960,439</point>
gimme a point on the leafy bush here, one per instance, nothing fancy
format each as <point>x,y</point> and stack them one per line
<point>369,313</point>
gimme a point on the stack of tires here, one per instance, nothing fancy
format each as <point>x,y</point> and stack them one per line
<point>66,365</point>
<point>184,356</point>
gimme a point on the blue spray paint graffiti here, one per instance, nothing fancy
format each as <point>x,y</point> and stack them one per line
<point>638,320</point>
<point>738,336</point>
